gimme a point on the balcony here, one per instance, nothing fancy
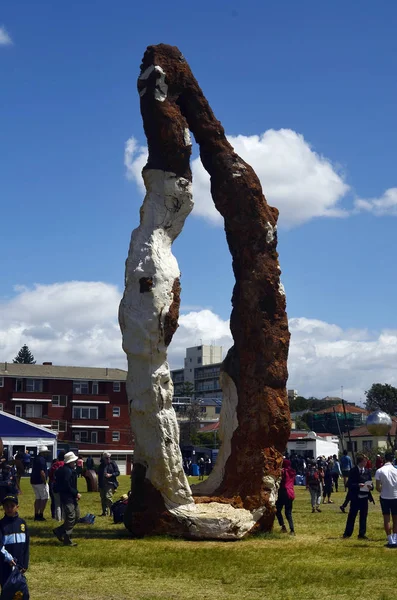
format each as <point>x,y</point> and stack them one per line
<point>89,423</point>
<point>31,397</point>
<point>210,374</point>
<point>90,399</point>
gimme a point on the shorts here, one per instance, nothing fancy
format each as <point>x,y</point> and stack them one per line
<point>41,491</point>
<point>345,472</point>
<point>388,505</point>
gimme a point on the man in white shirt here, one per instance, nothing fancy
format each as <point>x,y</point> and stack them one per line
<point>386,484</point>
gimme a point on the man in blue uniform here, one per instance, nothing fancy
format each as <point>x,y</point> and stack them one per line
<point>14,540</point>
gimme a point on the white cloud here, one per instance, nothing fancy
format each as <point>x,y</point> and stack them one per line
<point>5,39</point>
<point>72,323</point>
<point>75,323</point>
<point>135,157</point>
<point>298,181</point>
<point>384,205</point>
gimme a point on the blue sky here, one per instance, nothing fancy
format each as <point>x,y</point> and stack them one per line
<point>69,103</point>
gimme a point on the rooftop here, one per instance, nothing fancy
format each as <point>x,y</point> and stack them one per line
<point>339,409</point>
<point>50,371</point>
<point>363,431</point>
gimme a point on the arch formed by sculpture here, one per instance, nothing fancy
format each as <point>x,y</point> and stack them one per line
<point>238,497</point>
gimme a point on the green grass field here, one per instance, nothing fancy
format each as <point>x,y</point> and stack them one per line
<point>108,565</point>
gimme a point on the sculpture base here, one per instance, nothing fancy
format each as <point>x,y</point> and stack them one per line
<point>204,520</point>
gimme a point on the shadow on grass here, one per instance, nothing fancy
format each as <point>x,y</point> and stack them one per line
<point>83,532</point>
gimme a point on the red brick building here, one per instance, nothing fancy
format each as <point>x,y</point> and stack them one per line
<point>87,406</point>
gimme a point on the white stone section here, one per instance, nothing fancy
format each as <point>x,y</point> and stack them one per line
<point>187,137</point>
<point>270,232</point>
<point>167,203</point>
<point>281,288</point>
<point>215,521</point>
<point>161,89</point>
<point>227,425</point>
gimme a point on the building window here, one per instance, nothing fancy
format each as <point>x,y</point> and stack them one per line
<point>34,385</point>
<point>34,410</point>
<point>115,436</point>
<point>94,437</point>
<point>95,388</point>
<point>367,445</point>
<point>217,410</point>
<point>59,401</point>
<point>59,425</point>
<point>352,446</point>
<point>18,410</point>
<point>116,411</point>
<point>116,386</point>
<point>80,387</point>
<point>19,385</point>
<point>1,381</point>
<point>85,412</point>
<point>199,360</point>
<point>75,436</point>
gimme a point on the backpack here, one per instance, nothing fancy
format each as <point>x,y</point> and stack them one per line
<point>312,479</point>
<point>118,509</point>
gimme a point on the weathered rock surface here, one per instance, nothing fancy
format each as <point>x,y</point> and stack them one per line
<point>255,416</point>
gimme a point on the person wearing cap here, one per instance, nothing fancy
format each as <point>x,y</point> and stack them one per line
<point>66,487</point>
<point>107,479</point>
<point>14,541</point>
<point>38,480</point>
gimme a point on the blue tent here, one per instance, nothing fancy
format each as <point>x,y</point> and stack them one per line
<point>15,431</point>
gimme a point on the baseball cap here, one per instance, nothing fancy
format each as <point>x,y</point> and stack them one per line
<point>10,498</point>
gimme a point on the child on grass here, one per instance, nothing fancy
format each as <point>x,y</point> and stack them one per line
<point>14,546</point>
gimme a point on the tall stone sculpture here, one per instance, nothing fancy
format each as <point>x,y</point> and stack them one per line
<point>239,496</point>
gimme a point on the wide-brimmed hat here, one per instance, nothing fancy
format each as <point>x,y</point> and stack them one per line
<point>70,457</point>
<point>42,449</point>
<point>107,455</point>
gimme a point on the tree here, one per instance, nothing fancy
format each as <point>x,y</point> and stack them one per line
<point>186,390</point>
<point>24,356</point>
<point>382,397</point>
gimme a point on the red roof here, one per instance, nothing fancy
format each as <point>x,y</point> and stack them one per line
<point>339,409</point>
<point>210,427</point>
<point>363,431</point>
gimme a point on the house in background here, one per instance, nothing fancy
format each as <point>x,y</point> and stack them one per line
<point>363,441</point>
<point>332,418</point>
<point>86,406</point>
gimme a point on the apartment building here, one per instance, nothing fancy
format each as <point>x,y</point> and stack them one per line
<point>86,406</point>
<point>201,369</point>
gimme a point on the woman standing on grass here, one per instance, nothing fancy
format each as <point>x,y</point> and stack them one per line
<point>286,496</point>
<point>328,481</point>
<point>314,481</point>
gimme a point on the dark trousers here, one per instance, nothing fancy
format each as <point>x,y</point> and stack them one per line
<point>335,479</point>
<point>72,515</point>
<point>347,499</point>
<point>357,505</point>
<point>286,503</point>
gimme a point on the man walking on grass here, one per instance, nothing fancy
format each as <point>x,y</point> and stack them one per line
<point>107,478</point>
<point>360,486</point>
<point>38,480</point>
<point>66,486</point>
<point>386,484</point>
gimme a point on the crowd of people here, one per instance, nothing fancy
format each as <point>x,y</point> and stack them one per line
<point>59,483</point>
<point>321,478</point>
